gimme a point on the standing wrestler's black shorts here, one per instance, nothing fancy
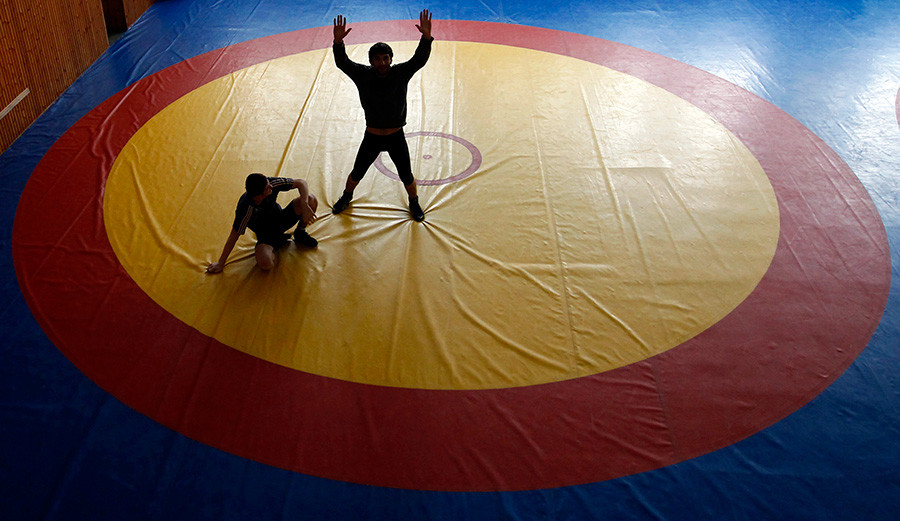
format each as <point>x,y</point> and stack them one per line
<point>373,144</point>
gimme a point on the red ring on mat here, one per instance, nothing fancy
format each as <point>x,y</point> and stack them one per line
<point>811,315</point>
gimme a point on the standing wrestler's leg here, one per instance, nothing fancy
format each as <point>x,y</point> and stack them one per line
<point>365,156</point>
<point>399,152</point>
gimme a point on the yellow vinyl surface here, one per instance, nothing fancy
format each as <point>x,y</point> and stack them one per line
<point>609,221</point>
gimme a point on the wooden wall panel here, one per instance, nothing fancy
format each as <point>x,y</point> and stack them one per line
<point>134,9</point>
<point>45,45</point>
<point>12,73</point>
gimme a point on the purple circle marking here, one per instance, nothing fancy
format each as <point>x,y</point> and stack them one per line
<point>471,169</point>
<point>897,106</point>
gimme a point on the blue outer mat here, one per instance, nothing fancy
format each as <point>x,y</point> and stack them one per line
<point>71,451</point>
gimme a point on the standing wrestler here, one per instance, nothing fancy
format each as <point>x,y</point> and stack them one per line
<point>382,92</point>
<point>258,209</point>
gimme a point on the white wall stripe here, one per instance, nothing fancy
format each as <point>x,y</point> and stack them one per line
<point>14,102</point>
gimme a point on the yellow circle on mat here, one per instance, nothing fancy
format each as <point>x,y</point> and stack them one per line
<point>610,220</point>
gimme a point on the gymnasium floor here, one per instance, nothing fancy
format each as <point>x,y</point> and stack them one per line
<point>656,278</point>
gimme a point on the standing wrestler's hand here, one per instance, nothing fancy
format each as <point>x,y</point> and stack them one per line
<point>424,25</point>
<point>340,29</point>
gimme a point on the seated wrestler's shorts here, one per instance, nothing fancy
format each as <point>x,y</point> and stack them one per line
<point>272,232</point>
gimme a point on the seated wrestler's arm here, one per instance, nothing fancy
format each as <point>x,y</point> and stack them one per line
<point>307,214</point>
<point>219,265</point>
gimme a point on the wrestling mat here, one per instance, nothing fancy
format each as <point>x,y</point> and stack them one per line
<point>654,280</point>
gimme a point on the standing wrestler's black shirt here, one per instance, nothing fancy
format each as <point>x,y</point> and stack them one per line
<point>383,99</point>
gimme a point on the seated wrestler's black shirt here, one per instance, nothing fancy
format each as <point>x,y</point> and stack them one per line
<point>264,217</point>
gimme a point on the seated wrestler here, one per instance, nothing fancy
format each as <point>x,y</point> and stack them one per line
<point>258,209</point>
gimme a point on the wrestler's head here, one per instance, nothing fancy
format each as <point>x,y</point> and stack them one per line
<point>380,57</point>
<point>256,184</point>
<point>258,187</point>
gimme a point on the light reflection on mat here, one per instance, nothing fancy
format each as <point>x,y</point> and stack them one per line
<point>610,221</point>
